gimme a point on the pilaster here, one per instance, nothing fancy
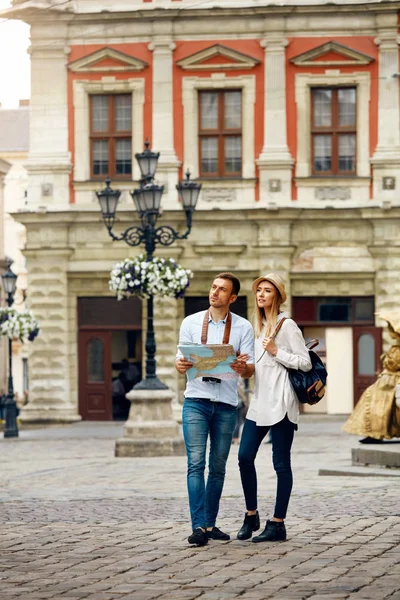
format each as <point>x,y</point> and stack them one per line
<point>49,383</point>
<point>386,253</point>
<point>49,161</point>
<point>275,162</point>
<point>4,168</point>
<point>386,159</point>
<point>163,120</point>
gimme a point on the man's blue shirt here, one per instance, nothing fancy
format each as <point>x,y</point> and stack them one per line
<point>241,338</point>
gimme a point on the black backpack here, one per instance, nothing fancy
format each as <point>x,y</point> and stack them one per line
<point>310,387</point>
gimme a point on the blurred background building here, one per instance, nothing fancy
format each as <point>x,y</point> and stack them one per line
<point>14,145</point>
<point>286,112</point>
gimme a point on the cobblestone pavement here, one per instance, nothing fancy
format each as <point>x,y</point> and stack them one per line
<point>75,522</point>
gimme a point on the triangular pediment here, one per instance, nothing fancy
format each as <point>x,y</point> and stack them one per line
<point>107,60</point>
<point>331,54</point>
<point>217,57</point>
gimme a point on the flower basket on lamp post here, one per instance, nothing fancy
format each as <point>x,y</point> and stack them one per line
<point>150,429</point>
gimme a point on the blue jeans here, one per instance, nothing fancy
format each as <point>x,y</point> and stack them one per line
<point>282,435</point>
<point>202,418</point>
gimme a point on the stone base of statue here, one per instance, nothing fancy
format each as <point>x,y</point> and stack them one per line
<point>150,429</point>
<point>39,414</point>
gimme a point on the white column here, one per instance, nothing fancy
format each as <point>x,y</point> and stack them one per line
<point>339,365</point>
<point>49,161</point>
<point>163,118</point>
<point>275,162</point>
<point>386,159</point>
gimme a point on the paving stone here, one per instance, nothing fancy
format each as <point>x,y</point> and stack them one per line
<point>87,525</point>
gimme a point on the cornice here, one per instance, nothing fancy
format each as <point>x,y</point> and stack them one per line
<point>78,215</point>
<point>33,11</point>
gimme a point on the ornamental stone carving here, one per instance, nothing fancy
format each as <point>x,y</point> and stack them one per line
<point>332,193</point>
<point>219,195</point>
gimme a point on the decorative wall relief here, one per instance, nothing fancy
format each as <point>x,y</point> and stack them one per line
<point>218,195</point>
<point>332,193</point>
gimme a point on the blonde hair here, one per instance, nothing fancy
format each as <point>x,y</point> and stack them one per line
<point>259,315</point>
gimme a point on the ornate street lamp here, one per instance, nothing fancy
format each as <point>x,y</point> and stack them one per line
<point>147,200</point>
<point>10,426</point>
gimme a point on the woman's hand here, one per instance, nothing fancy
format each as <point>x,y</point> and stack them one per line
<point>240,364</point>
<point>182,365</point>
<point>269,345</point>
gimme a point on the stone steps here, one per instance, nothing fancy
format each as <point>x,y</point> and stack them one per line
<point>384,456</point>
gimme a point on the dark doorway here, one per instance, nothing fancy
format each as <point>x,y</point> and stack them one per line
<point>110,355</point>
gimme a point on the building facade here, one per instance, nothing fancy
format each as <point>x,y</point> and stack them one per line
<point>14,145</point>
<point>287,113</point>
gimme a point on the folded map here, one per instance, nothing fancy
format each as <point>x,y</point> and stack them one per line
<point>209,360</point>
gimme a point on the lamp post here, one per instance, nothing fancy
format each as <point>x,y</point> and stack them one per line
<point>147,200</point>
<point>10,426</point>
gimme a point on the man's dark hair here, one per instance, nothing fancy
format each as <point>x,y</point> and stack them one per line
<point>231,277</point>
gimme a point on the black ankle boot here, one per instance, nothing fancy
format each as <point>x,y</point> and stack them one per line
<point>274,532</point>
<point>251,523</point>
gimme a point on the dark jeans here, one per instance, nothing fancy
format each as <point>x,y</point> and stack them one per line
<point>203,420</point>
<point>282,438</point>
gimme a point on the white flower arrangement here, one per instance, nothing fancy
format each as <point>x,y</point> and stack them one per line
<point>158,277</point>
<point>18,325</point>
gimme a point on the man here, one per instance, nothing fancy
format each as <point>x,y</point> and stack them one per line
<point>210,406</point>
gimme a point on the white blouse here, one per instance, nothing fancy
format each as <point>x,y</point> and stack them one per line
<point>273,394</point>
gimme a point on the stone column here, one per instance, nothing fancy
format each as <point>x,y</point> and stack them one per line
<point>163,118</point>
<point>386,159</point>
<point>49,373</point>
<point>49,161</point>
<point>275,162</point>
<point>152,428</point>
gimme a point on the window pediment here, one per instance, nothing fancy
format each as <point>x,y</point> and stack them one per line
<point>331,54</point>
<point>107,60</point>
<point>217,57</point>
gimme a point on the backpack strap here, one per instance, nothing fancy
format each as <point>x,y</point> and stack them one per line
<point>312,344</point>
<point>273,336</point>
<point>277,328</point>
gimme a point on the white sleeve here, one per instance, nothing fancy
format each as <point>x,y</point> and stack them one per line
<point>247,344</point>
<point>299,357</point>
<point>185,336</point>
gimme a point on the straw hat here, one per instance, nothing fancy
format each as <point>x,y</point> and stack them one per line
<point>276,280</point>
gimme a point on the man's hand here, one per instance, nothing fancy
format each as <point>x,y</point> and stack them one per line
<point>182,365</point>
<point>240,364</point>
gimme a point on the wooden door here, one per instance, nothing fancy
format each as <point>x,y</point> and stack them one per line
<point>95,398</point>
<point>367,350</point>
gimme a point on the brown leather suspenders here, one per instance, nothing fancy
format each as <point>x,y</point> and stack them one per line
<point>227,330</point>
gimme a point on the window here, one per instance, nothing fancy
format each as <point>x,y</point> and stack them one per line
<point>220,133</point>
<point>334,310</point>
<point>333,131</point>
<point>111,135</point>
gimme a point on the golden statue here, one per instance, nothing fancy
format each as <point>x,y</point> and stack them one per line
<point>376,415</point>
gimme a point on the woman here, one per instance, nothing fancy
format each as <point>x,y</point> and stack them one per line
<point>377,413</point>
<point>274,406</point>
